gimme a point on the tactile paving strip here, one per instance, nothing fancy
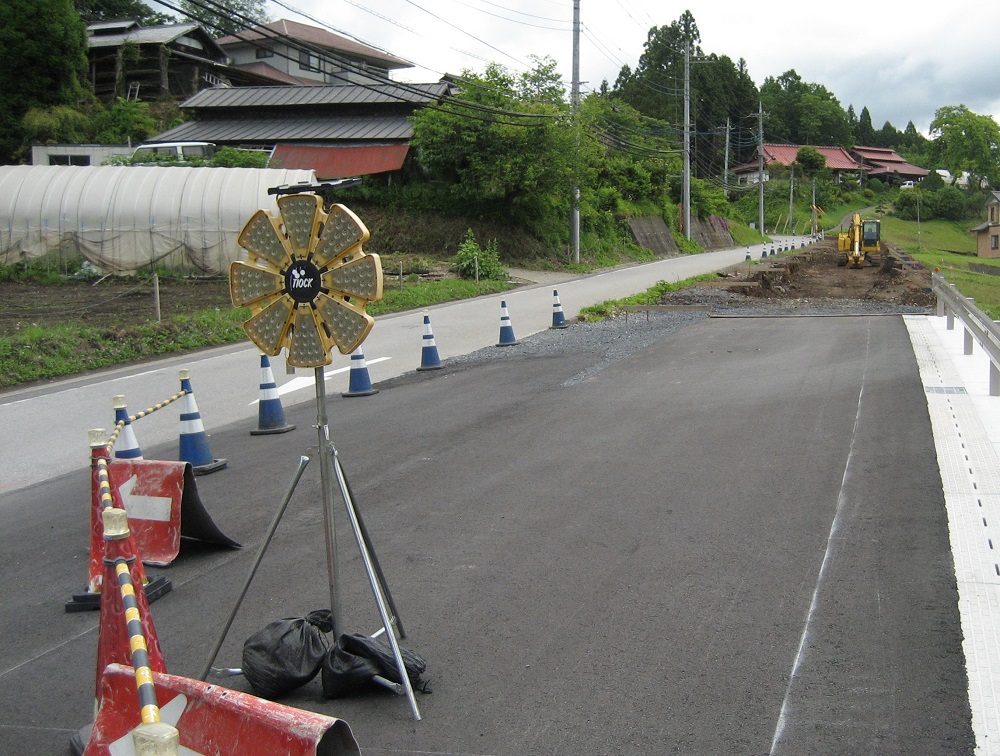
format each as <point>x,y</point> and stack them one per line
<point>970,475</point>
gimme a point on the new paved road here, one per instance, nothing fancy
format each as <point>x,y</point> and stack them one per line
<point>731,541</point>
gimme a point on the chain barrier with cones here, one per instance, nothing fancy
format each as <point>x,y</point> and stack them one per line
<point>160,496</point>
<point>201,718</point>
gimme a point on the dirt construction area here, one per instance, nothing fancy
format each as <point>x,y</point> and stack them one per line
<point>816,278</point>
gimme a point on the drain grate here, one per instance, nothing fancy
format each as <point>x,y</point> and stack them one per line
<point>945,390</point>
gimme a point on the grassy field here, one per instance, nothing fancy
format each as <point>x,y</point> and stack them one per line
<point>950,248</point>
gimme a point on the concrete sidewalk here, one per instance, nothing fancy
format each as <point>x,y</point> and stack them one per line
<point>966,423</point>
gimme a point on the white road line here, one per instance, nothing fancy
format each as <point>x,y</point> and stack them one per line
<point>305,381</point>
<point>779,729</point>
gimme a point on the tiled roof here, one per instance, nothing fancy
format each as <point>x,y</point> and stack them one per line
<point>885,161</point>
<point>143,35</point>
<point>315,36</point>
<point>343,94</point>
<point>837,158</point>
<point>265,70</point>
<point>256,129</point>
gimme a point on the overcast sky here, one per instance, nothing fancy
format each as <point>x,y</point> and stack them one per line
<point>901,61</point>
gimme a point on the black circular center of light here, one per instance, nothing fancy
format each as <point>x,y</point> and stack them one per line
<point>302,281</point>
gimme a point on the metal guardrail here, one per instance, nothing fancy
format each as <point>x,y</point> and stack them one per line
<point>978,325</point>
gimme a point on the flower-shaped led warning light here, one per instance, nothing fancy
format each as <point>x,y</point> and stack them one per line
<point>307,280</point>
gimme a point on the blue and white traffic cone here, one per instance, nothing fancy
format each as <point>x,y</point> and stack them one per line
<point>127,447</point>
<point>429,358</point>
<point>194,441</point>
<point>507,337</point>
<point>558,317</point>
<point>270,415</point>
<point>360,382</point>
<point>772,251</point>
<point>747,258</point>
<point>763,253</point>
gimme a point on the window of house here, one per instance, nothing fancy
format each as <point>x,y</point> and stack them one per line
<point>308,61</point>
<point>993,213</point>
<point>69,159</point>
<point>994,242</point>
<point>265,52</point>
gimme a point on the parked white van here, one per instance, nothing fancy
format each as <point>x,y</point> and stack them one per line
<point>173,151</point>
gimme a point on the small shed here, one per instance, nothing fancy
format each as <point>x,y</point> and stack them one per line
<point>125,218</point>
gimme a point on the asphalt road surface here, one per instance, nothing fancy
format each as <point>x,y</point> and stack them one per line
<point>730,541</point>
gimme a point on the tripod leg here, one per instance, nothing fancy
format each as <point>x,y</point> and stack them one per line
<point>373,579</point>
<point>371,549</point>
<point>303,461</point>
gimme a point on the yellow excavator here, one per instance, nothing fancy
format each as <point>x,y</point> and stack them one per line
<point>861,239</point>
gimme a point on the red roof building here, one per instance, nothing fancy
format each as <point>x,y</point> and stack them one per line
<point>885,165</point>
<point>838,160</point>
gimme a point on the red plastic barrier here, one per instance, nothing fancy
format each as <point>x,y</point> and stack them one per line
<point>214,720</point>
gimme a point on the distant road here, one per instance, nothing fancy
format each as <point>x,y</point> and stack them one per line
<point>47,425</point>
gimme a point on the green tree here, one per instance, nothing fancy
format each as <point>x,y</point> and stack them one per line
<point>965,141</point>
<point>722,91</point>
<point>239,15</point>
<point>799,112</point>
<point>44,60</point>
<point>491,154</point>
<point>123,121</point>
<point>542,83</point>
<point>55,124</point>
<point>810,160</point>
<point>92,11</point>
<point>864,134</point>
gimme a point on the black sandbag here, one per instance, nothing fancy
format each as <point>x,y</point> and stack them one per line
<point>355,659</point>
<point>286,653</point>
<point>345,673</point>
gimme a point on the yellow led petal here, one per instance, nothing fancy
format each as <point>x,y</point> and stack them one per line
<point>342,231</point>
<point>348,322</point>
<point>249,284</point>
<point>308,346</point>
<point>302,215</point>
<point>360,278</point>
<point>261,238</point>
<point>268,328</point>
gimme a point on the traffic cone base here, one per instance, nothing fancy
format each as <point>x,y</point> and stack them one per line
<point>507,337</point>
<point>360,383</point>
<point>193,446</point>
<point>270,415</point>
<point>558,317</point>
<point>429,357</point>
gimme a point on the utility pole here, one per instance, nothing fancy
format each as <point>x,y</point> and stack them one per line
<point>725,167</point>
<point>815,213</point>
<point>686,200</point>
<point>791,198</point>
<point>760,166</point>
<point>574,228</point>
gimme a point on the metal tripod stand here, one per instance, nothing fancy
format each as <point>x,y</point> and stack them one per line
<point>330,469</point>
